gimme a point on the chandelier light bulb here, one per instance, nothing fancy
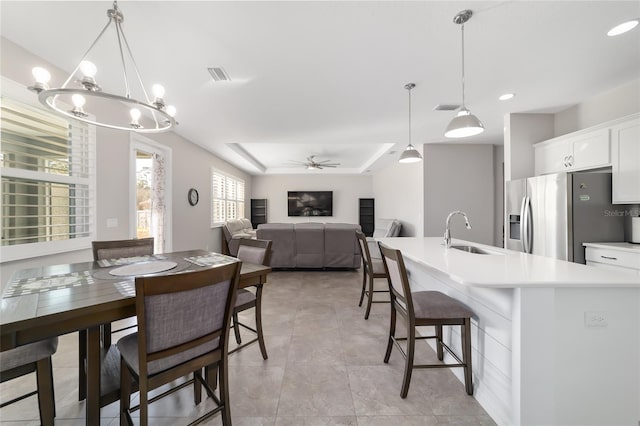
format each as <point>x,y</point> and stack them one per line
<point>41,75</point>
<point>135,114</point>
<point>171,110</point>
<point>157,90</point>
<point>88,69</point>
<point>78,100</point>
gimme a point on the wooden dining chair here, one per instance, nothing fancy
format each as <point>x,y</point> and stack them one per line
<point>258,252</point>
<point>183,328</point>
<point>424,308</point>
<point>26,359</point>
<point>371,269</point>
<point>104,250</point>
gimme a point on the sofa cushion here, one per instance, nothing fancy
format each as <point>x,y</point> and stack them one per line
<point>387,228</point>
<point>341,246</point>
<point>234,226</point>
<point>283,248</point>
<point>309,245</point>
<point>247,226</point>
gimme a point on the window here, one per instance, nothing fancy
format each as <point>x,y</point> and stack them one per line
<point>48,166</point>
<point>228,197</point>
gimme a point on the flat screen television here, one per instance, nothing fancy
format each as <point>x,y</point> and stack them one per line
<point>310,203</point>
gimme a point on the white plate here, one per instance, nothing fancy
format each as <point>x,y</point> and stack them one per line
<point>143,268</point>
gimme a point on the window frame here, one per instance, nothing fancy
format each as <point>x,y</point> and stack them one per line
<point>19,93</point>
<point>214,172</point>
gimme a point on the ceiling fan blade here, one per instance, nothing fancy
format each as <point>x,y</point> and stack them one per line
<point>330,165</point>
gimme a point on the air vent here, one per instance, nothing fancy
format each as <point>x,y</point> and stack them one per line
<point>219,74</point>
<point>446,107</point>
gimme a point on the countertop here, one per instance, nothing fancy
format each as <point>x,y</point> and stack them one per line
<point>628,247</point>
<point>504,268</point>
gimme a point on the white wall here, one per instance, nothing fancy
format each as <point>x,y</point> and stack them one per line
<point>521,132</point>
<point>399,193</point>
<point>459,177</point>
<point>191,168</point>
<point>346,191</point>
<point>498,188</point>
<point>615,103</point>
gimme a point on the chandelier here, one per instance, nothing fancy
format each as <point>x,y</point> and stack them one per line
<point>85,95</point>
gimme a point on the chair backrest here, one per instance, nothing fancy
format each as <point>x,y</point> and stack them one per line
<point>184,316</point>
<point>397,277</point>
<point>364,251</point>
<point>255,251</point>
<point>122,248</point>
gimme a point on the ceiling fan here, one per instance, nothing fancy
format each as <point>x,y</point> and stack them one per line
<point>312,164</point>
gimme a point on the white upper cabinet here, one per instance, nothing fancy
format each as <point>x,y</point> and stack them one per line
<point>582,151</point>
<point>625,161</point>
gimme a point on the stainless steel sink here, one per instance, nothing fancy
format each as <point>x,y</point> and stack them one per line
<point>470,249</point>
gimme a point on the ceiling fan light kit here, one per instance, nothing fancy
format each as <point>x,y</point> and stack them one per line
<point>464,124</point>
<point>410,154</point>
<point>158,117</point>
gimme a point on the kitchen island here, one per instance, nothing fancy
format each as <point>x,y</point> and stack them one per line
<point>554,342</point>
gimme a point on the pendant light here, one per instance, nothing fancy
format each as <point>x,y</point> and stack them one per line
<point>149,115</point>
<point>410,154</point>
<point>464,124</point>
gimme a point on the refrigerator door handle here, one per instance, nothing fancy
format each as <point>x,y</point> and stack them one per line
<point>523,224</point>
<point>529,230</point>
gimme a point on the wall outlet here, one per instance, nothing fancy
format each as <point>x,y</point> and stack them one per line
<point>595,319</point>
<point>112,223</point>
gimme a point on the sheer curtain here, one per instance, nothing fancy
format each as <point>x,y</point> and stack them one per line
<point>158,179</point>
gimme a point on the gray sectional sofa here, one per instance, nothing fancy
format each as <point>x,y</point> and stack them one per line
<point>312,245</point>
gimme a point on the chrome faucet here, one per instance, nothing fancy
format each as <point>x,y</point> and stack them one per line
<point>447,230</point>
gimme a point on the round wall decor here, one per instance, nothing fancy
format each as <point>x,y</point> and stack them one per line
<point>193,196</point>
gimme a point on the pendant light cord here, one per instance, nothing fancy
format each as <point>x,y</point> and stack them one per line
<point>463,105</point>
<point>410,117</point>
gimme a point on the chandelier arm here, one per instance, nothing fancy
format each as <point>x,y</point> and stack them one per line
<point>124,64</point>
<point>463,104</point>
<point>86,54</point>
<point>137,71</point>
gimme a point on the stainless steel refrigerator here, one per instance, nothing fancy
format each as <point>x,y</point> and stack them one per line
<point>552,215</point>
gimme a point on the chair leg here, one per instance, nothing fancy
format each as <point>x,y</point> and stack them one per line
<point>144,403</point>
<point>224,391</point>
<point>82,365</point>
<point>106,336</point>
<point>236,327</point>
<point>439,342</point>
<point>125,392</point>
<point>258,312</point>
<point>370,297</point>
<point>46,396</point>
<point>408,367</point>
<point>466,355</point>
<point>364,283</point>
<point>197,387</point>
<point>392,332</point>
<point>211,375</point>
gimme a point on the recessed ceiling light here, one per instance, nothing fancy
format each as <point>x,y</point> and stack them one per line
<point>506,96</point>
<point>623,28</point>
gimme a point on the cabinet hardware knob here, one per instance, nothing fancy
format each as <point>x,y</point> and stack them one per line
<point>609,257</point>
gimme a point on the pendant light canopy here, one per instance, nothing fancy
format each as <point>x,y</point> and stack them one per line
<point>78,100</point>
<point>410,154</point>
<point>464,124</point>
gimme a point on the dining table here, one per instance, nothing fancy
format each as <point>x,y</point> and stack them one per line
<point>50,301</point>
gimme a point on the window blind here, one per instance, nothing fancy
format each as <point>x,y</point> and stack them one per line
<point>48,167</point>
<point>227,197</point>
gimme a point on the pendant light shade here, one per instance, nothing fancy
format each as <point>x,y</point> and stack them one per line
<point>464,124</point>
<point>410,154</point>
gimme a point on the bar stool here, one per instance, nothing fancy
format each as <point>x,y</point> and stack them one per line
<point>424,308</point>
<point>371,269</point>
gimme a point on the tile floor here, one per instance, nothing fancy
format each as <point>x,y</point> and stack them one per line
<point>324,368</point>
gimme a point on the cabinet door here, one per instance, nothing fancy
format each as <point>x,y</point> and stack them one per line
<point>553,157</point>
<point>625,162</point>
<point>591,151</point>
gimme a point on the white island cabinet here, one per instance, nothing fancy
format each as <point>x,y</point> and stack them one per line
<point>554,342</point>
